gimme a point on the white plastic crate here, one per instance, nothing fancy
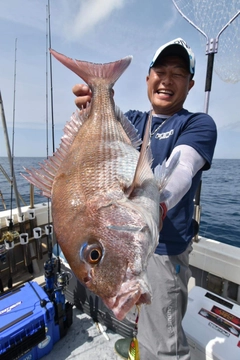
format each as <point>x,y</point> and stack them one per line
<point>212,326</point>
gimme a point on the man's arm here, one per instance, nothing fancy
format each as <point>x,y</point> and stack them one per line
<point>190,162</point>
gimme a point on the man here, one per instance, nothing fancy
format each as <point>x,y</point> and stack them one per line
<point>169,80</point>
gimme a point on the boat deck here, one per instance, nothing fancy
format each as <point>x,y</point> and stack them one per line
<point>84,341</point>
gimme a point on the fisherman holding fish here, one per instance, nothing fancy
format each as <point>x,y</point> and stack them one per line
<point>173,129</point>
<point>123,217</point>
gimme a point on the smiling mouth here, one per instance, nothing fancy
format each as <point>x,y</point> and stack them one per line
<point>165,92</point>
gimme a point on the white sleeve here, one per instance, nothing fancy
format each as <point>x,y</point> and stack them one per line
<point>190,162</point>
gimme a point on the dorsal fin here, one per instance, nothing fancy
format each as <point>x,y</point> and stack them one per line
<point>43,177</point>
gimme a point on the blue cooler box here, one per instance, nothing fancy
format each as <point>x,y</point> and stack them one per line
<point>27,326</point>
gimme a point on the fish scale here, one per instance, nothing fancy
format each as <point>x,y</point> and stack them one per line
<point>103,171</point>
<point>104,162</point>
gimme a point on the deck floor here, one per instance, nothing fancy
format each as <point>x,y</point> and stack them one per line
<point>84,341</point>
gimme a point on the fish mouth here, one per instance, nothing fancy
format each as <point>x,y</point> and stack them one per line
<point>131,294</point>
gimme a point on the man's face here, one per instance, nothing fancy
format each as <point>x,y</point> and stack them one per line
<point>168,84</point>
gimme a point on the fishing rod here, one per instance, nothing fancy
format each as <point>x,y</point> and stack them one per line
<point>50,264</point>
<point>62,278</point>
<point>52,110</point>
<point>9,154</point>
<point>23,235</point>
<point>13,126</point>
<point>48,57</point>
<point>51,79</point>
<point>10,181</point>
<point>11,235</point>
<point>3,201</point>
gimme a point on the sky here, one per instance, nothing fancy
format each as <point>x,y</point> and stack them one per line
<point>102,31</point>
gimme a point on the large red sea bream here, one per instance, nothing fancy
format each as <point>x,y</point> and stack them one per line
<point>105,197</point>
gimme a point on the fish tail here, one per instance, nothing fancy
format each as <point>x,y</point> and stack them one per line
<point>91,72</point>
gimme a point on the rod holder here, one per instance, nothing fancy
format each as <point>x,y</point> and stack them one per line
<point>31,214</point>
<point>37,232</point>
<point>23,238</point>
<point>48,229</point>
<point>21,218</point>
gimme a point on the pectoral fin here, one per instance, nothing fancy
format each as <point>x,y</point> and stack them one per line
<point>144,162</point>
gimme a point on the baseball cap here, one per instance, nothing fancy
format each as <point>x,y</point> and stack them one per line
<point>177,47</point>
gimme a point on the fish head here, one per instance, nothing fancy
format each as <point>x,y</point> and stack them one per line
<point>137,237</point>
<point>109,255</point>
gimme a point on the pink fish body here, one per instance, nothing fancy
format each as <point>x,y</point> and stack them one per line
<point>105,198</point>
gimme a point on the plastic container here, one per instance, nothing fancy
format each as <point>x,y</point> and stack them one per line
<point>27,327</point>
<point>212,326</point>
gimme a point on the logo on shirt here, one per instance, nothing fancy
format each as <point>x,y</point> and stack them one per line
<point>165,135</point>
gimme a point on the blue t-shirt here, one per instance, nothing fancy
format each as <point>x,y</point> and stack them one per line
<point>197,130</point>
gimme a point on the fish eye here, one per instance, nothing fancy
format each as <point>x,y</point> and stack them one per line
<point>94,256</point>
<point>91,253</point>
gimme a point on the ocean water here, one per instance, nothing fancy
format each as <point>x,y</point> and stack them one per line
<point>23,186</point>
<point>220,202</point>
<point>220,196</point>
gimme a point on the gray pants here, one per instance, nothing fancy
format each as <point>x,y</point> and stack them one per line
<point>160,332</point>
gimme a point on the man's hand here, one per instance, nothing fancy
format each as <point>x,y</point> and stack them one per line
<point>84,95</point>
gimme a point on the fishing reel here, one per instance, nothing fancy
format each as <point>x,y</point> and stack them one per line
<point>49,267</point>
<point>63,280</point>
<point>60,287</point>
